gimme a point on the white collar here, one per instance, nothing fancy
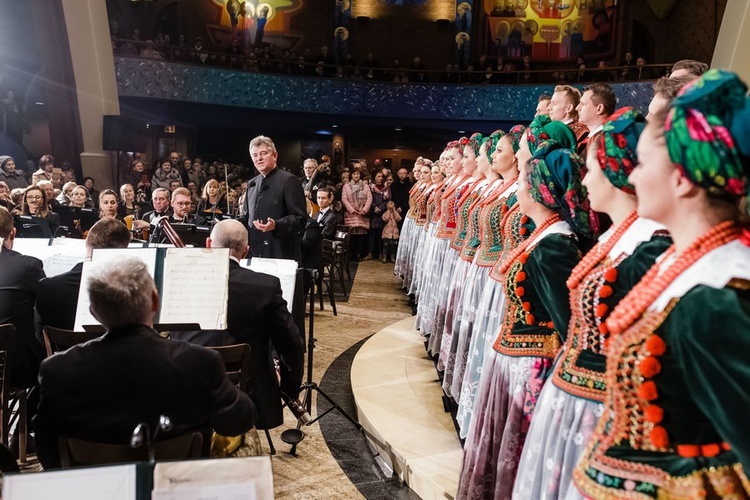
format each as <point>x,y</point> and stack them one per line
<point>715,269</point>
<point>596,130</point>
<point>641,230</point>
<point>560,227</point>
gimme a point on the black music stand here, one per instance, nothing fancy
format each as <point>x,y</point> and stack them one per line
<point>31,226</point>
<point>192,234</point>
<point>295,436</point>
<point>75,220</point>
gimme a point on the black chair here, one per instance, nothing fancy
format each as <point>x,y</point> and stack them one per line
<point>331,266</point>
<point>12,398</point>
<point>343,240</point>
<point>78,452</point>
<point>57,339</point>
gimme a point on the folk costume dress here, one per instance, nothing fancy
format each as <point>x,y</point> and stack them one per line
<point>405,241</point>
<point>569,408</point>
<point>458,283</point>
<point>502,228</point>
<point>420,238</point>
<point>534,326</point>
<point>434,310</point>
<point>675,414</point>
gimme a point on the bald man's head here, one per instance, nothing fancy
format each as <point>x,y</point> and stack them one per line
<point>231,234</point>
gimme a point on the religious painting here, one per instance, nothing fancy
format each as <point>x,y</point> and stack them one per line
<point>254,22</point>
<point>549,30</point>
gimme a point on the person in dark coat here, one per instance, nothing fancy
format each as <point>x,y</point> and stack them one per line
<point>274,206</point>
<point>19,276</point>
<point>400,192</point>
<point>258,316</point>
<point>101,390</point>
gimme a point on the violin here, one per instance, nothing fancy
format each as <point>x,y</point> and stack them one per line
<point>138,234</point>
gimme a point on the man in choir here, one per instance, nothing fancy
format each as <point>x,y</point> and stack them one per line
<point>101,390</point>
<point>18,288</point>
<point>688,67</point>
<point>57,296</point>
<point>597,103</point>
<point>562,107</point>
<point>666,89</point>
<point>257,315</point>
<point>275,206</point>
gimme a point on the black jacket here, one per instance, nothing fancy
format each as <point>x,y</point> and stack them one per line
<point>57,298</point>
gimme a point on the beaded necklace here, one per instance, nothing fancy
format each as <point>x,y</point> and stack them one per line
<point>595,256</point>
<point>654,283</point>
<point>521,248</point>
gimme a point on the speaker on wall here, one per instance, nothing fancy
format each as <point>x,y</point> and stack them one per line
<point>122,133</point>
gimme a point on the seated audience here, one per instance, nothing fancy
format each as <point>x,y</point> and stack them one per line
<point>45,172</point>
<point>67,190</point>
<point>58,295</point>
<point>98,392</point>
<point>164,175</point>
<point>10,175</point>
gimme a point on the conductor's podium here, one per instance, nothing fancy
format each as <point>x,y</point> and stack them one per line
<point>399,403</point>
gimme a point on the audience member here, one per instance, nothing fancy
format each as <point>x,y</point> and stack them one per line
<point>380,196</point>
<point>274,205</point>
<point>45,172</point>
<point>18,288</point>
<point>165,174</point>
<point>10,175</point>
<point>57,296</point>
<point>187,383</point>
<point>357,199</point>
<point>391,218</point>
<point>257,315</point>
<point>93,194</point>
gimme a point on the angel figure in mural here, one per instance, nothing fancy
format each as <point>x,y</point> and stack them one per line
<point>236,11</point>
<point>260,27</point>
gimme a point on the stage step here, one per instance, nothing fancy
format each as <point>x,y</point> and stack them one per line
<point>399,403</point>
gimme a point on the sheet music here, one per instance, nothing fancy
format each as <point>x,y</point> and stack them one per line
<point>114,483</point>
<point>100,256</point>
<point>246,478</point>
<point>64,254</point>
<point>195,287</point>
<point>232,491</point>
<point>284,269</point>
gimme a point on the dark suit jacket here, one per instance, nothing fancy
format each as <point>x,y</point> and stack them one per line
<point>257,316</point>
<point>312,238</point>
<point>100,390</point>
<point>57,298</point>
<point>280,197</point>
<point>19,277</point>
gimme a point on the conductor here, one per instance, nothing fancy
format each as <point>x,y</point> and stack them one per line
<point>275,206</point>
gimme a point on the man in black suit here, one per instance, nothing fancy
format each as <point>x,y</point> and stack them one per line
<point>258,316</point>
<point>19,277</point>
<point>101,390</point>
<point>274,206</point>
<point>160,198</point>
<point>322,226</point>
<point>57,296</point>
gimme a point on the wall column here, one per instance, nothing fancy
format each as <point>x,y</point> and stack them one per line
<point>96,88</point>
<point>734,39</point>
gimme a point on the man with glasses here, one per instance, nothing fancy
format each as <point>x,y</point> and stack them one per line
<point>181,204</point>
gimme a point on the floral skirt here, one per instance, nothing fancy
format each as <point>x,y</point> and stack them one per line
<point>445,277</point>
<point>557,438</point>
<point>451,350</point>
<point>487,322</point>
<point>404,244</point>
<point>476,280</point>
<point>507,394</point>
<point>428,293</point>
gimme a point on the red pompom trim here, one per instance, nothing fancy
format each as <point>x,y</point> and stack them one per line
<point>648,391</point>
<point>523,258</point>
<point>550,325</point>
<point>524,220</point>
<point>688,450</point>
<point>524,231</point>
<point>710,450</point>
<point>656,345</point>
<point>659,437</point>
<point>606,291</point>
<point>520,291</point>
<point>611,275</point>
<point>725,446</point>
<point>601,310</point>
<point>521,276</point>
<point>603,328</point>
<point>526,306</point>
<point>653,414</point>
<point>650,366</point>
<point>530,320</point>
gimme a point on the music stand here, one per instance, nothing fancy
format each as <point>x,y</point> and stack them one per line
<point>295,436</point>
<point>76,220</point>
<point>192,234</point>
<point>31,226</point>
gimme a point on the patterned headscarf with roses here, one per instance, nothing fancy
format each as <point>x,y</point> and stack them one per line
<point>616,146</point>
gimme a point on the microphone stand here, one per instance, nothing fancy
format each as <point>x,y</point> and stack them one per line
<point>295,436</point>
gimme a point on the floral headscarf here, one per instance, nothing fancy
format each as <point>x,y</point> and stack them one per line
<point>515,134</point>
<point>554,176</point>
<point>492,140</point>
<point>542,129</point>
<point>616,146</point>
<point>708,134</point>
